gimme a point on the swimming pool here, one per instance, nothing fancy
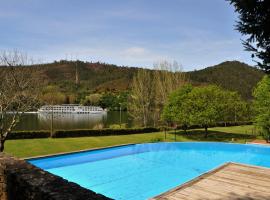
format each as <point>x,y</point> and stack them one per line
<point>142,171</point>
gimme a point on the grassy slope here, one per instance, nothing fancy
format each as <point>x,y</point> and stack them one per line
<point>35,147</point>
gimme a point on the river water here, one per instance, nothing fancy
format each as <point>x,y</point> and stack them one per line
<point>35,121</point>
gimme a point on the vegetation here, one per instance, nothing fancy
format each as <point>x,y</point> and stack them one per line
<point>18,91</point>
<point>47,146</point>
<point>103,79</point>
<point>254,20</point>
<point>150,90</point>
<point>204,106</point>
<point>262,106</point>
<point>233,76</point>
<point>142,102</point>
<point>176,110</point>
<point>114,101</point>
<point>114,130</point>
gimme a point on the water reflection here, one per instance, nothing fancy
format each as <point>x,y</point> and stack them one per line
<point>42,121</point>
<point>71,121</point>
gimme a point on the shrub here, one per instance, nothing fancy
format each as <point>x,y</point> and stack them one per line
<point>28,135</point>
<point>102,132</point>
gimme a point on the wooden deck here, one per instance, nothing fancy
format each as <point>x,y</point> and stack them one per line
<point>231,181</point>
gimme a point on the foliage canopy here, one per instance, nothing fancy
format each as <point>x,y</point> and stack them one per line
<point>262,105</point>
<point>254,21</point>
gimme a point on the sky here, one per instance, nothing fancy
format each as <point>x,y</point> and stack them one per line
<point>195,33</point>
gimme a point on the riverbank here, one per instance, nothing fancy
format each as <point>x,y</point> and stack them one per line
<point>37,147</point>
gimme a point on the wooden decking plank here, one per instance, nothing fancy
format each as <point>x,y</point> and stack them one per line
<point>224,188</point>
<point>194,192</point>
<point>239,184</point>
<point>249,167</point>
<point>230,181</point>
<point>262,180</point>
<point>243,179</point>
<point>250,173</point>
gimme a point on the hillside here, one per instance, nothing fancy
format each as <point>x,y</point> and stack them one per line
<point>231,75</point>
<point>100,77</point>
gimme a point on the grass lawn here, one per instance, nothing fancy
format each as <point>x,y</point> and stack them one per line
<point>36,147</point>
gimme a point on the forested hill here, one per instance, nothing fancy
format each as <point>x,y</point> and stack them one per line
<point>100,77</point>
<point>231,75</point>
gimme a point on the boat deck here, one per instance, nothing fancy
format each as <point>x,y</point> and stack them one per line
<point>231,181</point>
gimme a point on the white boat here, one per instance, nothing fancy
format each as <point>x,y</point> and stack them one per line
<point>72,108</point>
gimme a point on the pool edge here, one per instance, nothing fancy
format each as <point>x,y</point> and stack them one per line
<point>77,151</point>
<point>129,144</point>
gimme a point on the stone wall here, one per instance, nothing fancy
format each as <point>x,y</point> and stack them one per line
<point>19,180</point>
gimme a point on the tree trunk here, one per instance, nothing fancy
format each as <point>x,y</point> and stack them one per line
<point>2,145</point>
<point>206,131</point>
<point>185,128</point>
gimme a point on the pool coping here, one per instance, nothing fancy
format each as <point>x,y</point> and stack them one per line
<point>128,144</point>
<point>78,151</point>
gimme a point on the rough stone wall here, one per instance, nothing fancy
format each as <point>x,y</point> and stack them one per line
<point>19,180</point>
<point>3,179</point>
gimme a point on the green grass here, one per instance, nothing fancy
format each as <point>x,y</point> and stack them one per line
<point>36,147</point>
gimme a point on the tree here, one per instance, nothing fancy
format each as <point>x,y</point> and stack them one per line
<point>204,106</point>
<point>92,99</point>
<point>142,97</point>
<point>167,77</point>
<point>254,20</point>
<point>176,110</point>
<point>262,106</point>
<point>233,108</point>
<point>109,101</point>
<point>18,91</point>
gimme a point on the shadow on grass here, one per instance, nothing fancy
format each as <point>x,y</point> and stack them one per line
<point>199,135</point>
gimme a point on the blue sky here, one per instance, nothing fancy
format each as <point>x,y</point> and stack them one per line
<point>196,33</point>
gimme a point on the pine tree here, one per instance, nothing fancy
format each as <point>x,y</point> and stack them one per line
<point>254,22</point>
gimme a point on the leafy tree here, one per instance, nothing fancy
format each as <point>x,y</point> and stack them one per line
<point>204,106</point>
<point>176,110</point>
<point>52,95</point>
<point>92,99</point>
<point>233,108</point>
<point>123,100</point>
<point>109,100</point>
<point>254,21</point>
<point>262,106</point>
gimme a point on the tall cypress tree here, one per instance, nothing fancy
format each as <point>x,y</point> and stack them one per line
<point>254,22</point>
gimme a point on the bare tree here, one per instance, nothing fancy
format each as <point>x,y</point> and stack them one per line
<point>141,97</point>
<point>150,90</point>
<point>18,90</point>
<point>168,76</point>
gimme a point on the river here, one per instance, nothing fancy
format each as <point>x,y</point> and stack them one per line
<point>35,121</point>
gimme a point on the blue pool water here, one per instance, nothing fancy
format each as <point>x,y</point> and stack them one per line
<point>142,171</point>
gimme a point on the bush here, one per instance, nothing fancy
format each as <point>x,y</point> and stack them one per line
<point>102,132</point>
<point>219,124</point>
<point>28,135</point>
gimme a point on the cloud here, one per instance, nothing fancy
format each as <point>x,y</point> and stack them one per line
<point>135,52</point>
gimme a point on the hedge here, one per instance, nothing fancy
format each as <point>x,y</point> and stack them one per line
<point>102,132</point>
<point>78,133</point>
<point>28,135</point>
<point>219,124</point>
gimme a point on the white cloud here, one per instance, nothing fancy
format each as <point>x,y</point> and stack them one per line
<point>135,52</point>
